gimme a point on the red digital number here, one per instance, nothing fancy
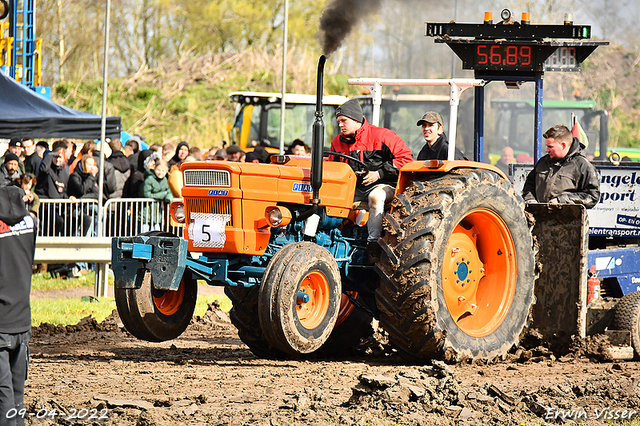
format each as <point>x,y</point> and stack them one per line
<point>482,56</point>
<point>496,58</point>
<point>512,55</point>
<point>525,54</point>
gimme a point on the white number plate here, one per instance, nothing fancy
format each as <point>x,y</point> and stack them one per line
<point>208,229</point>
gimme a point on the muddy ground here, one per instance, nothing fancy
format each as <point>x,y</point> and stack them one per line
<point>208,376</point>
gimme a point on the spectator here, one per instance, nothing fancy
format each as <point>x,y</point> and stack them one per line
<point>9,171</point>
<point>506,158</point>
<point>71,152</point>
<point>235,154</point>
<point>87,149</point>
<point>132,150</point>
<point>156,147</point>
<point>41,148</point>
<point>196,153</point>
<point>220,154</point>
<point>31,157</point>
<point>53,179</point>
<point>156,186</point>
<point>168,149</point>
<point>133,186</point>
<point>258,155</point>
<point>83,182</point>
<point>298,147</point>
<point>15,147</point>
<point>17,246</point>
<point>122,168</point>
<point>31,200</point>
<point>182,151</point>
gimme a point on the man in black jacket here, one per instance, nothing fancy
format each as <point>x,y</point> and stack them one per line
<point>17,246</point>
<point>564,175</point>
<point>436,145</point>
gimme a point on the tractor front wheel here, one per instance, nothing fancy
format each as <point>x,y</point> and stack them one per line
<point>157,315</point>
<point>299,298</point>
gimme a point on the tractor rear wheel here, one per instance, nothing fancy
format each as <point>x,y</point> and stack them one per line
<point>457,273</point>
<point>157,315</point>
<point>627,317</point>
<point>299,298</point>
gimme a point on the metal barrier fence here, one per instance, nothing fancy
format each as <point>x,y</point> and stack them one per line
<point>121,217</point>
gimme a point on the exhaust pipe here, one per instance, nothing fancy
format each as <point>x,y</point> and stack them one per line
<point>317,147</point>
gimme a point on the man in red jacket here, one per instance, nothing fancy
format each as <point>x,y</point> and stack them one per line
<point>383,152</point>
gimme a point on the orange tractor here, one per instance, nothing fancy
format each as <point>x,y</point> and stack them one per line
<point>456,277</point>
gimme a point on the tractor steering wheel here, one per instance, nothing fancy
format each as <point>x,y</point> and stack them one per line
<point>349,158</point>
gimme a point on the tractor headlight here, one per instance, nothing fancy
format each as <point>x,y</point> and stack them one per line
<point>278,216</point>
<point>179,213</point>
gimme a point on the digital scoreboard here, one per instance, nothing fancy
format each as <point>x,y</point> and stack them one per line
<point>516,49</point>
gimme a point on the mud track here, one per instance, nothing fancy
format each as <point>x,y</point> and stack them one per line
<point>207,376</point>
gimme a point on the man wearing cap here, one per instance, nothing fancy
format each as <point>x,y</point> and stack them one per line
<point>437,145</point>
<point>235,154</point>
<point>9,171</point>
<point>383,152</point>
<point>15,147</point>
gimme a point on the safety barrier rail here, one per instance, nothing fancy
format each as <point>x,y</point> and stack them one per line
<point>68,230</point>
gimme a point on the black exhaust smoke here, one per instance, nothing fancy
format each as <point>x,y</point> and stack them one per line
<point>339,18</point>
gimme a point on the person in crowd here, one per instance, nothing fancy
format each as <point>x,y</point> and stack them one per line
<point>506,158</point>
<point>131,150</point>
<point>168,151</point>
<point>383,152</point>
<point>87,149</point>
<point>72,148</point>
<point>175,178</point>
<point>299,148</point>
<point>83,182</point>
<point>235,154</point>
<point>133,186</point>
<point>53,180</point>
<point>436,145</point>
<point>15,147</point>
<point>31,157</point>
<point>258,155</point>
<point>18,232</point>
<point>121,166</point>
<point>41,148</point>
<point>196,153</point>
<point>182,151</point>
<point>10,169</point>
<point>564,175</point>
<point>27,182</point>
<point>219,154</point>
<point>156,186</point>
<point>156,147</point>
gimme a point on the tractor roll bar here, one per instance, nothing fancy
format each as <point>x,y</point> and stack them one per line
<point>458,85</point>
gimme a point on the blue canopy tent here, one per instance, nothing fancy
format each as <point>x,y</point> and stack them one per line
<point>24,113</point>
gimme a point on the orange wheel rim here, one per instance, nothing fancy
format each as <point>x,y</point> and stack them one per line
<point>170,301</point>
<point>312,313</point>
<point>346,307</point>
<point>479,273</point>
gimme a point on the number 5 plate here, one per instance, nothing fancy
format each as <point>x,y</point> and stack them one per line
<point>208,229</point>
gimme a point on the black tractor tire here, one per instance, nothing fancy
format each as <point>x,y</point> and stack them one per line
<point>157,315</point>
<point>475,217</point>
<point>627,317</point>
<point>244,315</point>
<point>289,323</point>
<point>346,334</point>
